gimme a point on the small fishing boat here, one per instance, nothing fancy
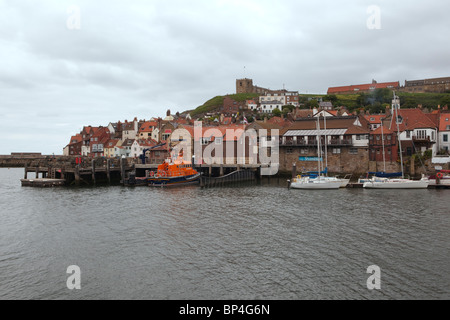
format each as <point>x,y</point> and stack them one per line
<point>174,172</point>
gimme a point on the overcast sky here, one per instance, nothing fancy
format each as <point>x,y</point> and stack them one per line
<point>66,64</point>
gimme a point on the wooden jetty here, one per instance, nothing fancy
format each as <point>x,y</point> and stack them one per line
<point>42,182</point>
<point>233,177</point>
<point>88,171</point>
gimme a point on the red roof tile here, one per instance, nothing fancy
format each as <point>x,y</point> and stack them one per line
<point>363,87</point>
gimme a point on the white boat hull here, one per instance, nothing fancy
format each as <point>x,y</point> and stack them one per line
<point>315,185</point>
<point>397,184</point>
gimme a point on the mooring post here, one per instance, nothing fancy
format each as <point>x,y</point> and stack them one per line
<point>77,174</point>
<point>108,170</point>
<point>122,171</point>
<point>26,171</point>
<point>37,172</point>
<point>221,170</point>
<point>93,170</point>
<point>210,170</point>
<point>294,170</point>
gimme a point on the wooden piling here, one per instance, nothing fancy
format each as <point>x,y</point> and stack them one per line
<point>26,172</point>
<point>108,170</point>
<point>93,170</point>
<point>77,174</point>
<point>122,170</point>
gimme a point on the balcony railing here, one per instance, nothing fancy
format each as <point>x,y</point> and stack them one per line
<point>312,143</point>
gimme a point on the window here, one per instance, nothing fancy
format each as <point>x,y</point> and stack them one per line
<point>336,150</point>
<point>304,151</point>
<point>421,134</point>
<point>358,137</point>
<point>218,141</point>
<point>289,151</point>
<point>353,151</point>
<point>445,137</point>
<point>399,119</point>
<point>408,134</point>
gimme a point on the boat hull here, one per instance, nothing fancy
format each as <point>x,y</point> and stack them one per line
<point>315,185</point>
<point>173,181</point>
<point>397,184</point>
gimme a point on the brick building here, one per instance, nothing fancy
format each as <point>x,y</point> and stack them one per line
<point>347,144</point>
<point>360,88</point>
<point>434,85</point>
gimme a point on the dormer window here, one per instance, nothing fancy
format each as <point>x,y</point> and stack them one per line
<point>399,119</point>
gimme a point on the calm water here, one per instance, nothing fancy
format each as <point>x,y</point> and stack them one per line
<point>253,242</point>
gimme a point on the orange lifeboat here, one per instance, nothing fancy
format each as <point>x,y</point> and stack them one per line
<point>177,172</point>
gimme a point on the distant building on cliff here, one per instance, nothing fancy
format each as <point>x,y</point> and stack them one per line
<point>356,89</point>
<point>435,85</point>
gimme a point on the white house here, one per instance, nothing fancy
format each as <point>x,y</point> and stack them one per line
<point>269,106</point>
<point>417,131</point>
<point>138,146</point>
<point>130,129</point>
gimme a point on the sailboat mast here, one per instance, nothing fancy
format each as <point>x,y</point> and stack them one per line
<point>382,141</point>
<point>326,143</point>
<point>398,134</point>
<point>318,146</point>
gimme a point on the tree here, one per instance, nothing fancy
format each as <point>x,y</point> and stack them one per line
<point>276,112</point>
<point>330,97</point>
<point>445,101</point>
<point>410,102</point>
<point>312,103</point>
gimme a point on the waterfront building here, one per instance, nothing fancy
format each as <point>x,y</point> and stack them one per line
<point>346,140</point>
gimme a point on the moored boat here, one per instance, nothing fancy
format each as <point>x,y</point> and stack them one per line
<point>396,183</point>
<point>318,183</point>
<point>174,172</point>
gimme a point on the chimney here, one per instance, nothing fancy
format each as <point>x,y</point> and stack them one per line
<point>388,111</point>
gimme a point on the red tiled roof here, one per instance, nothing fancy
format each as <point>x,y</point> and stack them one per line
<point>386,130</point>
<point>75,139</point>
<point>444,122</point>
<point>363,87</point>
<point>412,119</point>
<point>113,143</point>
<point>376,118</point>
<point>148,126</point>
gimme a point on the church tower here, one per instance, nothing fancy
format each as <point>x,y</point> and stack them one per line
<point>244,86</point>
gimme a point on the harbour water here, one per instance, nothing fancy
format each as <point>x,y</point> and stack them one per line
<point>253,241</point>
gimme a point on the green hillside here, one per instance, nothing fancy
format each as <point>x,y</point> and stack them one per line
<point>374,102</point>
<point>217,102</point>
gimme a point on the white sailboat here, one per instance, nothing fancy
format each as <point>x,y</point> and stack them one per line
<point>396,183</point>
<point>320,182</point>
